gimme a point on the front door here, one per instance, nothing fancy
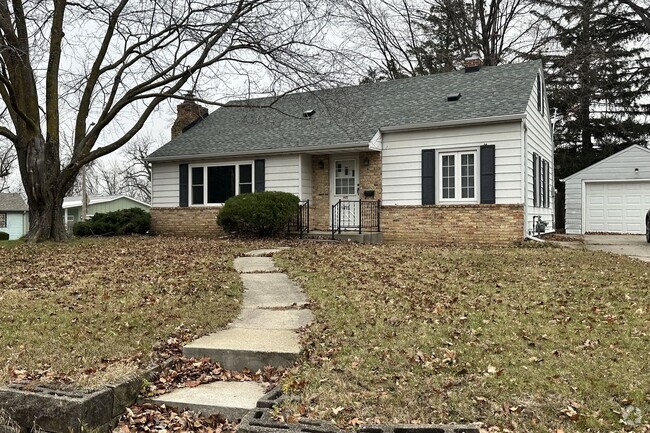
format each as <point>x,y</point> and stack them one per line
<point>345,187</point>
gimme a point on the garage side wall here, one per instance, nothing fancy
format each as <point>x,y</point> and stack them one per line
<point>617,168</point>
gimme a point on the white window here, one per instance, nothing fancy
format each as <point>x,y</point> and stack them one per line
<point>458,176</point>
<point>214,184</point>
<point>3,220</point>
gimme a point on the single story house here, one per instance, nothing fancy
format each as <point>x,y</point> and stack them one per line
<point>464,156</point>
<point>610,196</point>
<point>14,215</point>
<point>98,204</point>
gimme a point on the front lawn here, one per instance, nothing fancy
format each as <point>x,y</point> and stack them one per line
<point>87,311</point>
<point>522,338</point>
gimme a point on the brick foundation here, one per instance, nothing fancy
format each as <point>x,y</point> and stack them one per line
<point>185,221</point>
<point>455,224</point>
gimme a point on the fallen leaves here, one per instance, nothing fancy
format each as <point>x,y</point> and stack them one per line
<point>161,419</point>
<point>191,372</point>
<point>501,335</point>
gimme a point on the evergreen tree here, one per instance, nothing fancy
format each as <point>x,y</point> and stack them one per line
<point>597,74</point>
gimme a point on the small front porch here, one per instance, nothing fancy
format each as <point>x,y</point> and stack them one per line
<point>354,221</point>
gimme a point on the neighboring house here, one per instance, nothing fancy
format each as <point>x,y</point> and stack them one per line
<point>611,196</point>
<point>465,156</point>
<point>14,215</point>
<point>98,204</point>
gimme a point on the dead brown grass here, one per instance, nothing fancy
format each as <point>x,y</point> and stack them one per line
<point>523,338</point>
<point>86,312</point>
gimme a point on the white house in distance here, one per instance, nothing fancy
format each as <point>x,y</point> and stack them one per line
<point>98,204</point>
<point>14,215</point>
<point>610,196</point>
<point>464,156</point>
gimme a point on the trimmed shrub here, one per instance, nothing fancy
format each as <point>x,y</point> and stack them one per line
<point>119,222</point>
<point>4,236</point>
<point>260,213</point>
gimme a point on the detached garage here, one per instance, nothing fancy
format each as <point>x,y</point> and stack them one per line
<point>610,196</point>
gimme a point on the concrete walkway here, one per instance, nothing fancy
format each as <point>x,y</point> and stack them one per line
<point>629,245</point>
<point>265,333</point>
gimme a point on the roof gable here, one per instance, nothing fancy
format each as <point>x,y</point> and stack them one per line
<point>12,202</point>
<point>642,151</point>
<point>353,115</point>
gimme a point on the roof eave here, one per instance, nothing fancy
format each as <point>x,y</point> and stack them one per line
<point>343,146</point>
<point>452,123</point>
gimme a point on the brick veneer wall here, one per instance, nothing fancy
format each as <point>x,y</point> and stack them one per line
<point>463,224</point>
<point>185,221</point>
<point>370,176</point>
<point>319,208</point>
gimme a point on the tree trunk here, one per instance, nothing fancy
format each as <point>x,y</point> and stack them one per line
<point>45,186</point>
<point>46,222</point>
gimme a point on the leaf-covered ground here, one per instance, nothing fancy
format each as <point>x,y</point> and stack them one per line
<point>86,312</point>
<point>520,339</point>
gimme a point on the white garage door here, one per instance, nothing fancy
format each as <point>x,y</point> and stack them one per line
<point>617,207</point>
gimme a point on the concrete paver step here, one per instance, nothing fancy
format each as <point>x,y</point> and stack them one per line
<point>254,264</point>
<point>239,348</point>
<point>231,399</point>
<point>265,252</point>
<point>271,290</point>
<point>257,318</point>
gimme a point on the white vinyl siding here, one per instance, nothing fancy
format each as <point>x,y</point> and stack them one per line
<point>164,184</point>
<point>16,224</point>
<point>539,140</point>
<point>281,174</point>
<point>306,177</point>
<point>619,168</point>
<point>402,159</point>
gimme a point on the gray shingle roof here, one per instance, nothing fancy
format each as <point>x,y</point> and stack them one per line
<point>10,202</point>
<point>354,114</point>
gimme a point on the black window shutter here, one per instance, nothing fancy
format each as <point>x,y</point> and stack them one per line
<point>543,181</point>
<point>183,186</point>
<point>428,176</point>
<point>488,186</point>
<point>535,178</point>
<point>547,186</point>
<point>259,175</point>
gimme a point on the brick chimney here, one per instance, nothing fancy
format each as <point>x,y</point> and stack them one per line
<point>187,113</point>
<point>473,62</point>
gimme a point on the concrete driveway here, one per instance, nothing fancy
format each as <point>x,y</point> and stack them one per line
<point>629,245</point>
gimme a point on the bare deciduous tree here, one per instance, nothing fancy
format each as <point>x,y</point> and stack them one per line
<point>136,176</point>
<point>105,66</point>
<point>7,160</point>
<point>642,9</point>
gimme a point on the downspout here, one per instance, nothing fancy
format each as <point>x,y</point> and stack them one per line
<point>524,139</point>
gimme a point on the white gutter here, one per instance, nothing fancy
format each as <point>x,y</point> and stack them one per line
<point>452,123</point>
<point>351,146</point>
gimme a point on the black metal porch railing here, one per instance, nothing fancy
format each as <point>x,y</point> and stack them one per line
<point>300,222</point>
<point>357,215</point>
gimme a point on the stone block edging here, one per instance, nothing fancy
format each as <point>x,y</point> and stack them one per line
<point>260,420</point>
<point>65,411</point>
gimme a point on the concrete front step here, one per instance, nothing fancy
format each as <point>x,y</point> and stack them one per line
<point>254,264</point>
<point>239,348</point>
<point>271,290</point>
<point>256,318</point>
<point>232,400</point>
<point>265,252</point>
